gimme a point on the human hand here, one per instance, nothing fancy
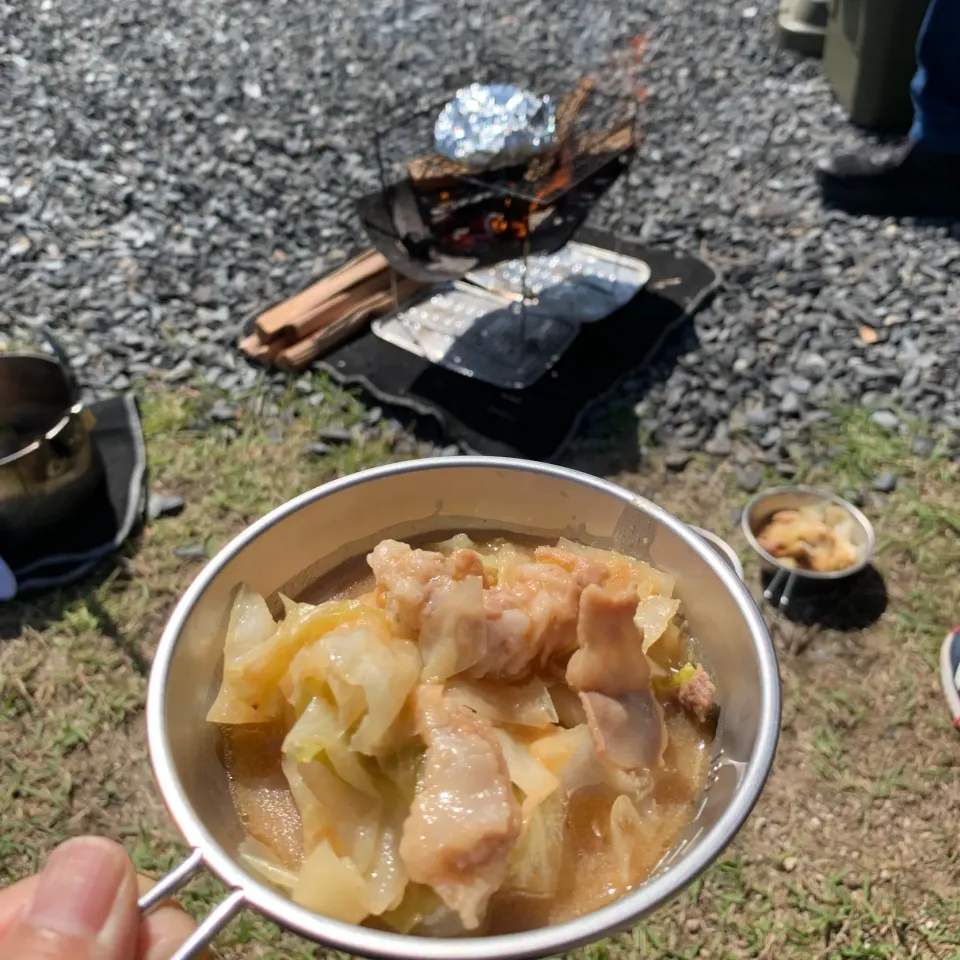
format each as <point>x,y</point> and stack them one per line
<point>83,906</point>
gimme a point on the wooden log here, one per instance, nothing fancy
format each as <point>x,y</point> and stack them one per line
<point>321,341</point>
<point>276,321</point>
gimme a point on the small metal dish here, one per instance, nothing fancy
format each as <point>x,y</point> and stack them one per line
<point>724,549</point>
<point>768,502</point>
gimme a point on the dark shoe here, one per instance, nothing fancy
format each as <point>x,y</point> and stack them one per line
<point>910,181</point>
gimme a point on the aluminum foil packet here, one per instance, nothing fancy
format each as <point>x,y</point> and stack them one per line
<point>498,123</point>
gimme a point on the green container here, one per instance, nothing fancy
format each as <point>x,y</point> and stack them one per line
<point>870,57</point>
<point>802,26</point>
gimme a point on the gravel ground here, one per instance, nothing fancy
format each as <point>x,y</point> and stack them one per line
<point>168,167</point>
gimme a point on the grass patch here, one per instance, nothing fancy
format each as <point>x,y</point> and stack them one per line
<point>851,853</point>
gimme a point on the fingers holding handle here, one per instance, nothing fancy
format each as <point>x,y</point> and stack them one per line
<point>83,906</point>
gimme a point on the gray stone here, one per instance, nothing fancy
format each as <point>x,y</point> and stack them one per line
<point>759,418</point>
<point>317,449</point>
<point>885,482</point>
<point>192,552</point>
<point>177,197</point>
<point>923,446</point>
<point>790,404</point>
<point>855,497</point>
<point>771,438</point>
<point>885,419</point>
<point>750,478</point>
<point>160,505</point>
<point>677,462</point>
<point>222,412</point>
<point>719,445</point>
<point>335,433</point>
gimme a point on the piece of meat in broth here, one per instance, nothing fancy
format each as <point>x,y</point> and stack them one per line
<point>453,628</point>
<point>696,694</point>
<point>628,730</point>
<point>407,576</point>
<point>509,644</point>
<point>584,569</point>
<point>465,820</point>
<point>612,675</point>
<point>550,596</point>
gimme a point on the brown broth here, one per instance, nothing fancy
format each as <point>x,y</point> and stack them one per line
<point>589,876</point>
<point>260,791</point>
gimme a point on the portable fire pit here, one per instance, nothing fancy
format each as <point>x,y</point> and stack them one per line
<point>512,177</point>
<point>481,192</point>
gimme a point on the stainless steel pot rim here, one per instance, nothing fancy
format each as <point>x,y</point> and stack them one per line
<point>535,943</point>
<point>858,516</point>
<point>75,411</point>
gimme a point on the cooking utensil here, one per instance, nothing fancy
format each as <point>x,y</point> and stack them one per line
<point>296,544</point>
<point>47,462</point>
<point>765,504</point>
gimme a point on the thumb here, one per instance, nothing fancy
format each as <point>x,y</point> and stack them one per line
<point>84,907</point>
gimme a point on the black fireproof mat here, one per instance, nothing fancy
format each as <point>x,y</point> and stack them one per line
<point>537,422</point>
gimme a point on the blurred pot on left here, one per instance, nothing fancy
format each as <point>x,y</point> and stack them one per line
<point>48,465</point>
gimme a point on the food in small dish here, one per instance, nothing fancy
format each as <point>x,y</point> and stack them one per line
<point>817,537</point>
<point>468,738</point>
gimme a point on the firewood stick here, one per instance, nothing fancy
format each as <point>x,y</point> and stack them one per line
<point>332,308</point>
<point>274,321</point>
<point>263,352</point>
<point>299,355</point>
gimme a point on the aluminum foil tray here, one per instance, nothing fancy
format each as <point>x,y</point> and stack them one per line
<point>480,334</point>
<point>579,284</point>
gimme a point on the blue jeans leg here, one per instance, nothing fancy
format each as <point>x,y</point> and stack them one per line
<point>936,86</point>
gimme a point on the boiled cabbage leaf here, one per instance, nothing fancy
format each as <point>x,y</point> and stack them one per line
<point>253,677</point>
<point>368,679</point>
<point>534,780</point>
<point>571,756</point>
<point>419,902</point>
<point>524,705</point>
<point>250,626</point>
<point>653,616</point>
<point>332,886</point>
<point>318,732</point>
<point>567,703</point>
<point>534,865</point>
<point>260,858</point>
<point>625,571</point>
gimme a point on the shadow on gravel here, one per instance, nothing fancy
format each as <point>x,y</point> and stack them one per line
<point>609,440</point>
<point>852,604</point>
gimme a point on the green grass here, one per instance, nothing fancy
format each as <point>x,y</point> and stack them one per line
<point>851,853</point>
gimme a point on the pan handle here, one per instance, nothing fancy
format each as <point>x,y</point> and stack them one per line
<point>780,588</point>
<point>221,915</point>
<point>45,334</point>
